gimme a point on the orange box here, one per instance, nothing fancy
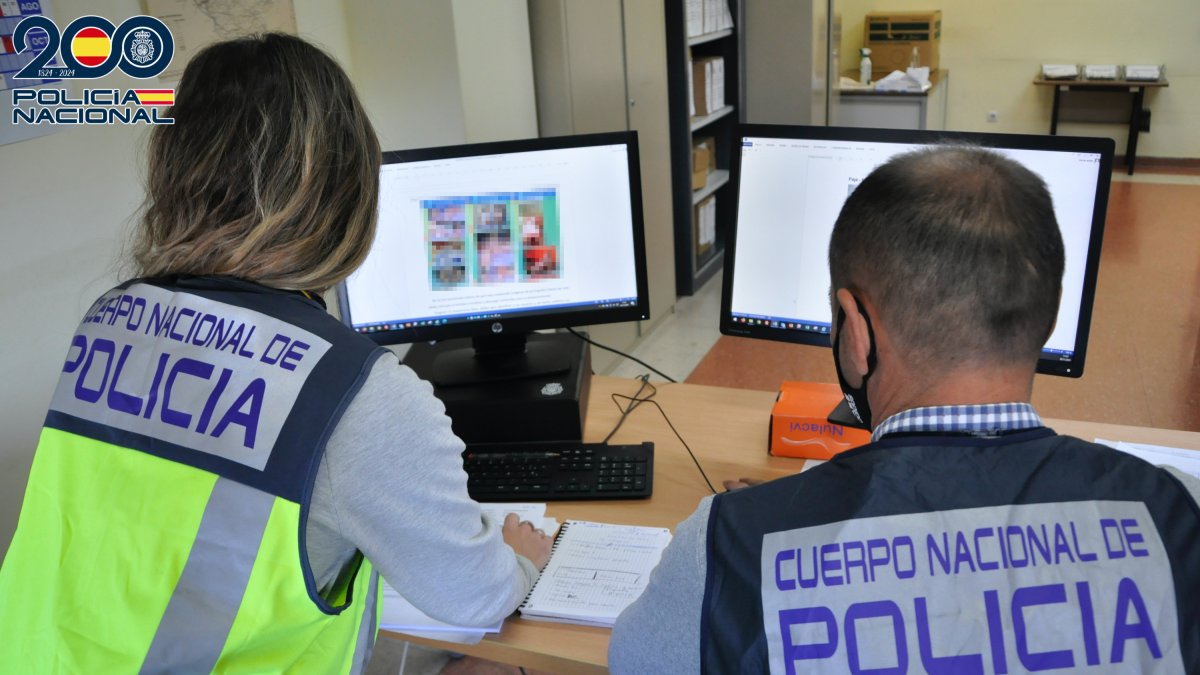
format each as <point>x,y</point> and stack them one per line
<point>800,426</point>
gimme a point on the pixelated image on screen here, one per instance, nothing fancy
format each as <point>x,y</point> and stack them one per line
<point>478,240</point>
<point>447,228</point>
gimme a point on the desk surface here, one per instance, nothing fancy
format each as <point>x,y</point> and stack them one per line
<point>727,430</point>
<point>935,79</point>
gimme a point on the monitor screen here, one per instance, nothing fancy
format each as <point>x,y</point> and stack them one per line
<point>503,238</point>
<point>791,183</point>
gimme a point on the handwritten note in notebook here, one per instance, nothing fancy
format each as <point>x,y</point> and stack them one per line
<point>595,571</point>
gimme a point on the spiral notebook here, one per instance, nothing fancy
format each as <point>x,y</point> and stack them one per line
<point>595,571</point>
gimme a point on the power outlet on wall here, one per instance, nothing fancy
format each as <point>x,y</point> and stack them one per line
<point>993,116</point>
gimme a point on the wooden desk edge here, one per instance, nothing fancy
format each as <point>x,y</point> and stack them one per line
<point>494,648</point>
<point>1111,84</point>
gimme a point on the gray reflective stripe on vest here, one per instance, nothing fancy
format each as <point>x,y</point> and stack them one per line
<point>366,628</point>
<point>196,623</point>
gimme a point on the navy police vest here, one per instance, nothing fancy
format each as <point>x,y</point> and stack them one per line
<point>955,554</point>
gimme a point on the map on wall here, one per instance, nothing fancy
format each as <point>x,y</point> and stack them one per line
<point>13,12</point>
<point>196,23</point>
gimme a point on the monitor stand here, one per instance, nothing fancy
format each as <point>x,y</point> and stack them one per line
<point>841,415</point>
<point>510,402</point>
<point>494,358</point>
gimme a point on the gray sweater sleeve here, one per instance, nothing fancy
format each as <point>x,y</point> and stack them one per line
<point>392,485</point>
<point>660,631</point>
<point>1190,483</point>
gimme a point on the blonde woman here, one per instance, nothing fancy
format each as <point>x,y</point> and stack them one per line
<point>225,468</point>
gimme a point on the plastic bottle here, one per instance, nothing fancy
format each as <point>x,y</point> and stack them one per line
<point>915,60</point>
<point>864,66</point>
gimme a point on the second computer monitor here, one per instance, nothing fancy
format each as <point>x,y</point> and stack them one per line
<point>792,182</point>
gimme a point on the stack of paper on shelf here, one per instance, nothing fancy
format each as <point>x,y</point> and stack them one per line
<point>708,85</point>
<point>706,16</point>
<point>1100,72</point>
<point>915,80</point>
<point>1060,71</point>
<point>1143,73</point>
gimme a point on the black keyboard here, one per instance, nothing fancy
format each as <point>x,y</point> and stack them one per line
<point>558,470</point>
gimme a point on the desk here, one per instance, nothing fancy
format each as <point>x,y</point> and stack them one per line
<point>1135,87</point>
<point>727,429</point>
<point>895,109</point>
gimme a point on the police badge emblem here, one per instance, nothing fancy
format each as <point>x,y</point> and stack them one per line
<point>141,47</point>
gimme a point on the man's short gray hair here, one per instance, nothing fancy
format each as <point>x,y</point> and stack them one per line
<point>959,250</point>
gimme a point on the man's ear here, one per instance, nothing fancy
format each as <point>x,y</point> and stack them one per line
<point>855,338</point>
<point>1054,323</point>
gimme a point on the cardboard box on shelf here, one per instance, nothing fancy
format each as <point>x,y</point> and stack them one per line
<point>700,155</point>
<point>703,160</point>
<point>892,36</point>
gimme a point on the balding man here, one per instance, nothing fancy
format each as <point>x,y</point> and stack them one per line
<point>967,537</point>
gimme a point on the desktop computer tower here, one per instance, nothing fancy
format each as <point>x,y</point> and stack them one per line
<point>540,408</point>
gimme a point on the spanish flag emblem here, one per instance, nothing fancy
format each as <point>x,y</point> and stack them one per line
<point>91,47</point>
<point>155,96</point>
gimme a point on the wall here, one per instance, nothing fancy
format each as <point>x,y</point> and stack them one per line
<point>994,51</point>
<point>66,219</point>
<point>69,197</point>
<point>442,73</point>
<point>406,69</point>
<point>495,69</point>
<point>784,80</point>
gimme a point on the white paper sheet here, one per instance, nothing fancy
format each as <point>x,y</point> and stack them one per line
<point>1187,461</point>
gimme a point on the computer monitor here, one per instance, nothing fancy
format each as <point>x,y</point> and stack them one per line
<point>492,241</point>
<point>791,183</point>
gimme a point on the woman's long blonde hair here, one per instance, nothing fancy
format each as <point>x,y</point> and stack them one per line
<point>270,172</point>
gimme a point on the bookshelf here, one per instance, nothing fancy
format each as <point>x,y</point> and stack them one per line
<point>700,225</point>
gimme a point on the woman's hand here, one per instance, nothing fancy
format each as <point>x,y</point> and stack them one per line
<point>526,540</point>
<point>731,485</point>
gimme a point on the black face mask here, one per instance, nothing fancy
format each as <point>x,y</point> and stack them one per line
<point>856,397</point>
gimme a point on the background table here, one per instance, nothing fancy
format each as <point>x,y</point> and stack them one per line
<point>1136,112</point>
<point>895,109</point>
<point>727,429</point>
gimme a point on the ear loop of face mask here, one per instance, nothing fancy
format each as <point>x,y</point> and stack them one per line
<point>856,397</point>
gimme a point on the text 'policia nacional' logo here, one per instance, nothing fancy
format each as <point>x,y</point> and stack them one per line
<point>91,47</point>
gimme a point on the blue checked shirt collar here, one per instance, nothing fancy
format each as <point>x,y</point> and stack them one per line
<point>983,419</point>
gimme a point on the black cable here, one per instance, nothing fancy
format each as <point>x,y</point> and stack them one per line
<point>645,380</point>
<point>592,342</point>
<point>634,402</point>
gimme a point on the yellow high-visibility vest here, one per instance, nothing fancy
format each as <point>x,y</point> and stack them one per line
<point>162,526</point>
